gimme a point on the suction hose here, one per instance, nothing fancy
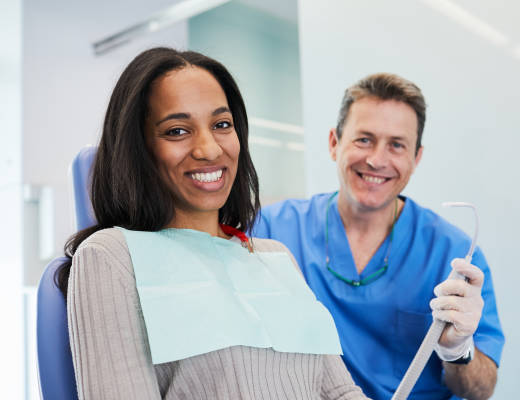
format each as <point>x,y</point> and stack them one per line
<point>434,333</point>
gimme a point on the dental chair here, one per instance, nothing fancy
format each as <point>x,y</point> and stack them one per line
<point>55,368</point>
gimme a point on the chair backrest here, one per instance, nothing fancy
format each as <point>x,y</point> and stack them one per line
<point>55,367</point>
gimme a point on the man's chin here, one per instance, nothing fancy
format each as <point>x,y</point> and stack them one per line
<point>374,205</point>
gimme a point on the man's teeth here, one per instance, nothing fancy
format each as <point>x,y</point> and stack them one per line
<point>373,179</point>
<point>207,177</point>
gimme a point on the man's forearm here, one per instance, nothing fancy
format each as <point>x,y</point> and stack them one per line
<point>473,381</point>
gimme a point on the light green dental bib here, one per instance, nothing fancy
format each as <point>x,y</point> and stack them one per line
<point>200,293</point>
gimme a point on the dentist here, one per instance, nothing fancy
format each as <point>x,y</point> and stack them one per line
<point>375,258</point>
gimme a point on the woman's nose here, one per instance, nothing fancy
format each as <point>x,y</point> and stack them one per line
<point>206,147</point>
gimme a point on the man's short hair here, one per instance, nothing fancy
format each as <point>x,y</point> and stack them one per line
<point>385,86</point>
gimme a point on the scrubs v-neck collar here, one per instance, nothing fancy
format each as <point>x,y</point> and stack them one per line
<point>340,253</point>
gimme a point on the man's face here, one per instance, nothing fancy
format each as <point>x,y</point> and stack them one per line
<point>376,153</point>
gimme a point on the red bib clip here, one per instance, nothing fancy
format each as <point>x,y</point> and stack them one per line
<point>229,230</point>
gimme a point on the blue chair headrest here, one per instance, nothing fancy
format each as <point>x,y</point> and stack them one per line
<point>81,180</point>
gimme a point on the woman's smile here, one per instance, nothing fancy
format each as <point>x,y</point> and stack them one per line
<point>209,179</point>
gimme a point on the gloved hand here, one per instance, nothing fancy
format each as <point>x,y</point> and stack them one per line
<point>460,303</point>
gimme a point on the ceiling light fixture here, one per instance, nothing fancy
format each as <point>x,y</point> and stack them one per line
<point>169,16</point>
<point>469,21</point>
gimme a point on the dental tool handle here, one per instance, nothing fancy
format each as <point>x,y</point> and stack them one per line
<point>425,350</point>
<point>419,361</point>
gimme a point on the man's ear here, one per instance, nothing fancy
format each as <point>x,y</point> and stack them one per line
<point>333,143</point>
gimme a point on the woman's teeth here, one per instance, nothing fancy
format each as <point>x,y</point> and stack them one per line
<point>207,177</point>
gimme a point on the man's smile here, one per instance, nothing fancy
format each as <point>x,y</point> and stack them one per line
<point>374,179</point>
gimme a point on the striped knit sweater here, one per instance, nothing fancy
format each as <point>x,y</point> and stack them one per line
<point>112,357</point>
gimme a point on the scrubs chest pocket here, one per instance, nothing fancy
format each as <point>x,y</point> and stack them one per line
<point>410,328</point>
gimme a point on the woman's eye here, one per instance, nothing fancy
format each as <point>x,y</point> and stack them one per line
<point>223,125</point>
<point>176,132</point>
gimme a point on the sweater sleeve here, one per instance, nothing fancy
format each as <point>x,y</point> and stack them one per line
<point>337,384</point>
<point>108,338</point>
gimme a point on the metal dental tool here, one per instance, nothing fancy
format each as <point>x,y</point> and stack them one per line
<point>436,328</point>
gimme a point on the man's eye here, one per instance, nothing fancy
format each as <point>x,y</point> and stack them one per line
<point>176,132</point>
<point>363,141</point>
<point>223,125</point>
<point>397,145</point>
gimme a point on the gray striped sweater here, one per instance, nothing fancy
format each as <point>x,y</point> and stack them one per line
<point>112,357</point>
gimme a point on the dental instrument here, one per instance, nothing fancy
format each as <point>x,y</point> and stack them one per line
<point>437,327</point>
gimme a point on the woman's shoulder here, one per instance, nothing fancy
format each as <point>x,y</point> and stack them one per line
<point>107,239</point>
<point>109,244</point>
<point>271,245</point>
<point>268,245</point>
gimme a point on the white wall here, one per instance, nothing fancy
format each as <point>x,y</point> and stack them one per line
<point>471,138</point>
<point>11,334</point>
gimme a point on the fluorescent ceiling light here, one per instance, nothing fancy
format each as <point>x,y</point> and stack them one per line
<point>275,125</point>
<point>265,141</point>
<point>169,16</point>
<point>469,21</point>
<point>296,146</point>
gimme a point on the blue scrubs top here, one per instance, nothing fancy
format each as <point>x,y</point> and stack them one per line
<point>381,325</point>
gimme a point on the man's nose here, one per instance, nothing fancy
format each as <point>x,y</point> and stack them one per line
<point>205,147</point>
<point>378,157</point>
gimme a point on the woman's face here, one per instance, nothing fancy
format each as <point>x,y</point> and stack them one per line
<point>191,133</point>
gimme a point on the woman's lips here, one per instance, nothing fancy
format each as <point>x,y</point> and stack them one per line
<point>208,179</point>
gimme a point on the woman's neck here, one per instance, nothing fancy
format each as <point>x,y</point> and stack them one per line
<point>204,222</point>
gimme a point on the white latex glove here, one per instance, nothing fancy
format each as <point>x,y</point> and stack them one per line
<point>460,304</point>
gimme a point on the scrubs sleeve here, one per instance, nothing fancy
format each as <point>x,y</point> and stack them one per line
<point>262,226</point>
<point>337,384</point>
<point>489,337</point>
<point>107,332</point>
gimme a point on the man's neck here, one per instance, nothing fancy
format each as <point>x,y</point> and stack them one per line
<point>366,229</point>
<point>361,221</point>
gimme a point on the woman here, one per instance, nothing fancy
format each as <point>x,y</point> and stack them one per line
<point>168,304</point>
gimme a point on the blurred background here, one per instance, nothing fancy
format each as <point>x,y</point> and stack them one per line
<point>292,60</point>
